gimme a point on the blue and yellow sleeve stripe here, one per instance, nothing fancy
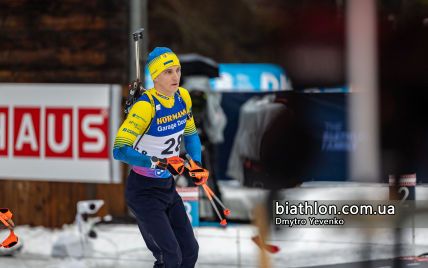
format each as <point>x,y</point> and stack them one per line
<point>190,127</point>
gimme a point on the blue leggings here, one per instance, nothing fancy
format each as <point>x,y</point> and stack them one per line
<point>162,220</point>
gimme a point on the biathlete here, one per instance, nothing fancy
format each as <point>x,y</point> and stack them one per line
<point>149,140</point>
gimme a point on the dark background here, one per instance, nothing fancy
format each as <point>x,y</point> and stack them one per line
<point>88,41</point>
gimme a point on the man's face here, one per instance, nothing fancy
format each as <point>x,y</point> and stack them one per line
<point>167,82</point>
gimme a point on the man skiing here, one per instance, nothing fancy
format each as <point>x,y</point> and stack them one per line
<point>149,140</point>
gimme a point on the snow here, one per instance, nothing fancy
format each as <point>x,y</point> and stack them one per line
<point>121,245</point>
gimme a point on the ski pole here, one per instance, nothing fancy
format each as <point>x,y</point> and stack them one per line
<point>210,198</point>
<point>208,193</point>
<point>187,164</point>
<point>226,211</point>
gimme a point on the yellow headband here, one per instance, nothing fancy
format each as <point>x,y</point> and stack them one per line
<point>162,62</point>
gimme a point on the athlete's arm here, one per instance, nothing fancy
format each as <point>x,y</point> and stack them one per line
<point>134,125</point>
<point>192,143</point>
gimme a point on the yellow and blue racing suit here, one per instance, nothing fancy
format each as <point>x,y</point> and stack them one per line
<point>156,125</point>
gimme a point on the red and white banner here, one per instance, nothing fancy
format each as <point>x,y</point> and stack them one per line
<point>59,132</point>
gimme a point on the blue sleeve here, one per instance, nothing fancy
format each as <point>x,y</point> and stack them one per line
<point>130,156</point>
<point>193,146</point>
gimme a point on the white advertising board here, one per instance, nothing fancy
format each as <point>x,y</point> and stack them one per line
<point>59,132</point>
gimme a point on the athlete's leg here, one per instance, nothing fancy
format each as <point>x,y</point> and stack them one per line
<point>157,231</point>
<point>151,245</point>
<point>149,205</point>
<point>183,232</point>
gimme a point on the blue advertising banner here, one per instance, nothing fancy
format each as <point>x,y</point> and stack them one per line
<point>256,77</point>
<point>190,197</point>
<point>324,116</point>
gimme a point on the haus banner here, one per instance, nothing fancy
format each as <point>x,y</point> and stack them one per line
<point>59,132</point>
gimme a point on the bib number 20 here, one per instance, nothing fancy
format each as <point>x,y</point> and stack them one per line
<point>171,143</point>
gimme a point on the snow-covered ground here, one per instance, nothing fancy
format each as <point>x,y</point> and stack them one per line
<point>122,246</point>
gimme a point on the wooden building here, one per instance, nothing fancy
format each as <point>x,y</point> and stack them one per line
<point>69,41</point>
